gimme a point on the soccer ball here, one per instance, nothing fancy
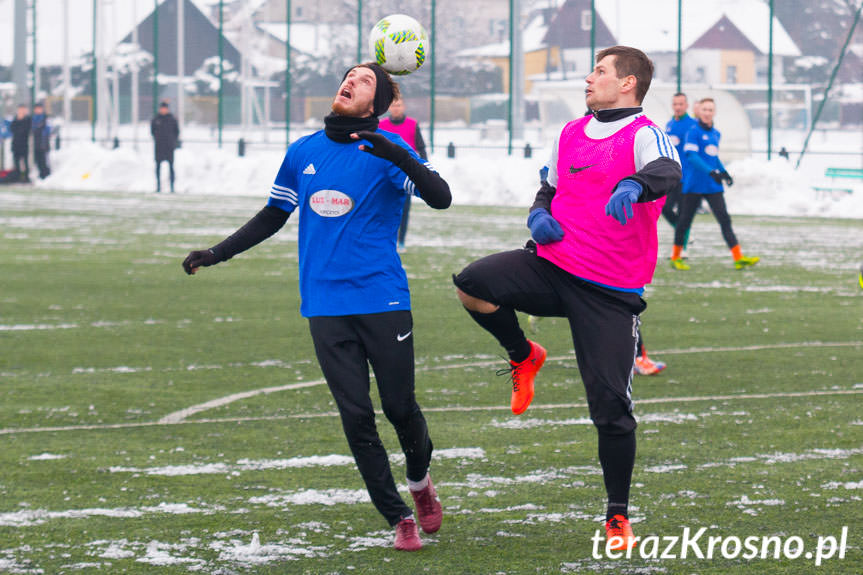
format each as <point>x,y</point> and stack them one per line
<point>399,44</point>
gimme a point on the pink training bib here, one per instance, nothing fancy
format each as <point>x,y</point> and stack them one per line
<point>595,246</point>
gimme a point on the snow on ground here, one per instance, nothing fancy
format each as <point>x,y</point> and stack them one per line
<point>481,173</point>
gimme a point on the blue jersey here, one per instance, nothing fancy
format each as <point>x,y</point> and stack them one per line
<point>350,206</point>
<point>677,128</point>
<point>702,157</point>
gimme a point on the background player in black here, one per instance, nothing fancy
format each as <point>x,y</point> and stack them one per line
<point>166,134</point>
<point>20,128</point>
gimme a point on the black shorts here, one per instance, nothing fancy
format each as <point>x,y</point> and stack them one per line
<point>603,322</point>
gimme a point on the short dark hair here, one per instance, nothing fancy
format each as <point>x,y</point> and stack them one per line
<point>679,94</point>
<point>631,62</point>
<point>163,104</point>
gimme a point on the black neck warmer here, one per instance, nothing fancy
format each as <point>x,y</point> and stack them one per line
<point>615,114</point>
<point>339,128</point>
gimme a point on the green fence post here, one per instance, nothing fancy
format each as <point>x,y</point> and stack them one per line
<point>288,75</point>
<point>770,86</point>
<point>221,65</point>
<point>830,84</point>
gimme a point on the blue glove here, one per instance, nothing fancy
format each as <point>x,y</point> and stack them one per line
<point>544,229</point>
<point>619,206</point>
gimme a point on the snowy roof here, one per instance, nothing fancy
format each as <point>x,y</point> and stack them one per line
<point>311,38</point>
<point>118,22</point>
<point>531,40</point>
<point>652,26</point>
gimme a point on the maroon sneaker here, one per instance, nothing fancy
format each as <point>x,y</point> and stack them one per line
<point>407,536</point>
<point>429,509</point>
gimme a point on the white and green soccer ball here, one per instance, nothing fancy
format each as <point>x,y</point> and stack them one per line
<point>399,44</point>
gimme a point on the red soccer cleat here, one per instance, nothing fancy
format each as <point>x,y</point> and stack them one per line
<point>429,510</point>
<point>407,536</point>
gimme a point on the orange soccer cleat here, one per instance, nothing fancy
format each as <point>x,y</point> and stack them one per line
<point>523,374</point>
<point>618,534</point>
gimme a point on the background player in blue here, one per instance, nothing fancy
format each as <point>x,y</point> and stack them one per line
<point>676,128</point>
<point>348,181</point>
<point>702,179</point>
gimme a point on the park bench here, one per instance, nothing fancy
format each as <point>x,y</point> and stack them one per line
<point>843,173</point>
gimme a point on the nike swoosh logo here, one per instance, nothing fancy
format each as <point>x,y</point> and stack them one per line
<point>400,337</point>
<point>574,170</point>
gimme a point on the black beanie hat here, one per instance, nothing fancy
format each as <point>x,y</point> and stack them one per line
<point>383,89</point>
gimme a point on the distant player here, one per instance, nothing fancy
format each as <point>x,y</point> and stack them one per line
<point>860,277</point>
<point>41,140</point>
<point>348,183</point>
<point>166,134</point>
<point>20,128</point>
<point>677,128</point>
<point>409,129</point>
<point>595,223</point>
<point>703,179</point>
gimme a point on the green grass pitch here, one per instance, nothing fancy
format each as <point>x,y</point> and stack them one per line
<point>755,428</point>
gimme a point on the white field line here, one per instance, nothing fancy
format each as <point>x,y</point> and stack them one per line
<point>450,409</point>
<point>179,417</point>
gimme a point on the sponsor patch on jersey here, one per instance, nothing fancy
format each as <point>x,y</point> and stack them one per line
<point>330,203</point>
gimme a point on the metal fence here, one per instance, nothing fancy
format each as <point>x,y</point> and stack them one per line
<point>264,70</point>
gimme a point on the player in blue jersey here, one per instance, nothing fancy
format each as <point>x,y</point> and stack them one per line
<point>676,128</point>
<point>348,183</point>
<point>703,179</point>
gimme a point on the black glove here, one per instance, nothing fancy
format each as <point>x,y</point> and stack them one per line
<point>199,258</point>
<point>717,176</point>
<point>383,147</point>
<point>726,177</point>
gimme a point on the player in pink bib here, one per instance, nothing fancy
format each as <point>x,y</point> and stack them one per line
<point>594,220</point>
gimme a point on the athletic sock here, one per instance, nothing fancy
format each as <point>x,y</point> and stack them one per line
<point>736,253</point>
<point>617,457</point>
<point>503,325</point>
<point>616,509</point>
<point>419,485</point>
<point>676,251</point>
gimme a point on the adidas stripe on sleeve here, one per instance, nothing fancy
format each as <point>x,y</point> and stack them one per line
<point>283,194</point>
<point>651,143</point>
<point>408,186</point>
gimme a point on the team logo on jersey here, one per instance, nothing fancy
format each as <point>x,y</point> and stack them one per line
<point>711,150</point>
<point>675,141</point>
<point>310,169</point>
<point>330,203</point>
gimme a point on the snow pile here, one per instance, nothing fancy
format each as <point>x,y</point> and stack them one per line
<point>775,188</point>
<point>476,177</point>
